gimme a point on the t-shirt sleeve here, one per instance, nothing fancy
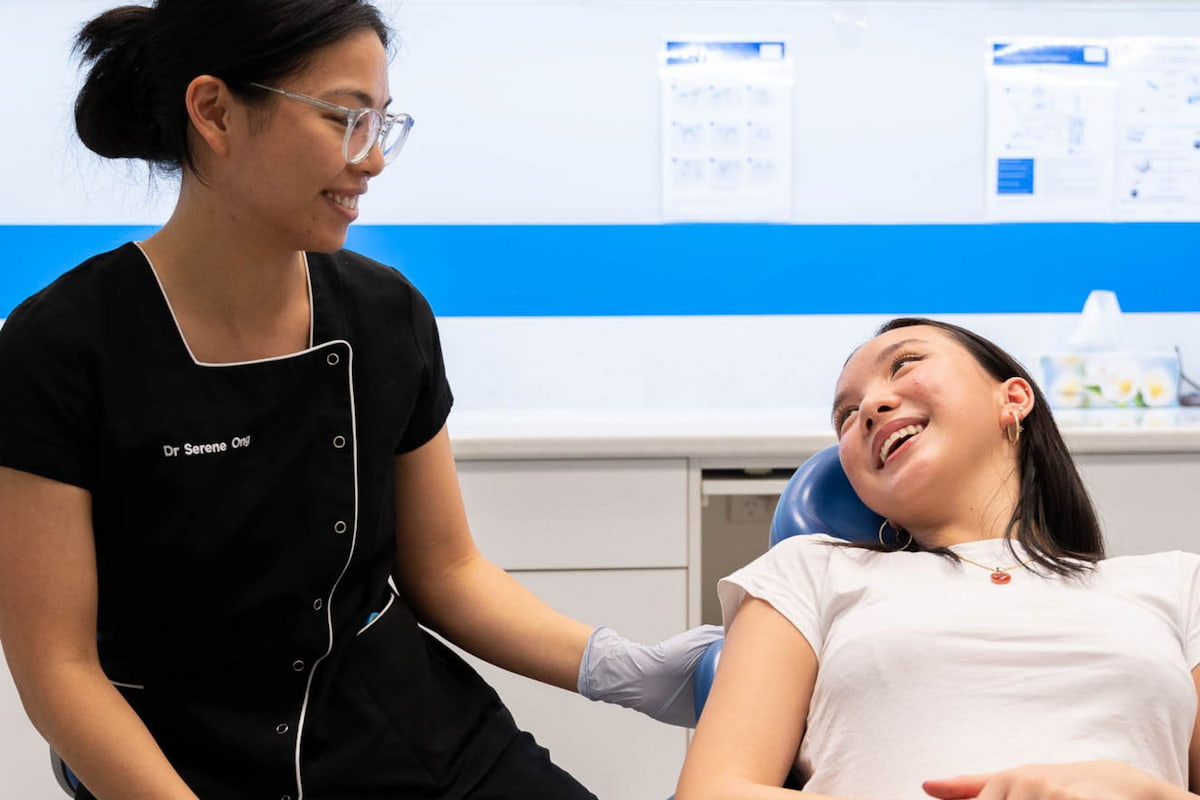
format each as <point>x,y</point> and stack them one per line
<point>1189,574</point>
<point>791,577</point>
<point>47,398</point>
<point>433,397</point>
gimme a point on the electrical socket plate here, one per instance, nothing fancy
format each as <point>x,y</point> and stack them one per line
<point>750,508</point>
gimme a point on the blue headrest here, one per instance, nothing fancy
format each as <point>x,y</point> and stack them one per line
<point>820,499</point>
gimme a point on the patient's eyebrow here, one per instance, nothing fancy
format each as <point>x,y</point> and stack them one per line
<point>886,352</point>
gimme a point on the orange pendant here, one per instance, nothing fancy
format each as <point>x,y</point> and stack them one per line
<point>1001,578</point>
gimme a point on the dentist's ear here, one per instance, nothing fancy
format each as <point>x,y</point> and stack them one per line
<point>208,102</point>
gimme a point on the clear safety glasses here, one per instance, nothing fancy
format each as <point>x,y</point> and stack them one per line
<point>364,127</point>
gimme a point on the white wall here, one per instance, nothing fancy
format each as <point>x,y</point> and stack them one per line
<point>763,362</point>
<point>547,111</point>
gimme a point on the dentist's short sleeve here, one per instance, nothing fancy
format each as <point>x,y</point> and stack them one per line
<point>791,576</point>
<point>47,398</point>
<point>435,398</point>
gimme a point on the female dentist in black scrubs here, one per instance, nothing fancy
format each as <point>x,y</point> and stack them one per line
<point>227,496</point>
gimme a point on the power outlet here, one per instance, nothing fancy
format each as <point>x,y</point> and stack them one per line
<point>749,508</point>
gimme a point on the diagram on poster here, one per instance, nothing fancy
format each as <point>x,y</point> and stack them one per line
<point>1051,121</point>
<point>1158,128</point>
<point>726,129</point>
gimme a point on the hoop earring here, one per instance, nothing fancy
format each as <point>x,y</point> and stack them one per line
<point>899,546</point>
<point>1014,430</point>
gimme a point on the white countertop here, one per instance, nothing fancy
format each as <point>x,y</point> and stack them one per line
<point>761,434</point>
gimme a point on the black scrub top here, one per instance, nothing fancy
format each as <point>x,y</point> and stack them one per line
<point>244,528</point>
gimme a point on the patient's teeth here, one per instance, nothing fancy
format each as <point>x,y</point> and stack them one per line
<point>910,430</point>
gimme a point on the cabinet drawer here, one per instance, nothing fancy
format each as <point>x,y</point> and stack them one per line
<point>578,514</point>
<point>617,753</point>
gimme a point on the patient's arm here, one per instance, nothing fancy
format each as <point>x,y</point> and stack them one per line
<point>1194,749</point>
<point>754,718</point>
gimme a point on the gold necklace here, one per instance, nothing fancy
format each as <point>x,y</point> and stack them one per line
<point>1000,575</point>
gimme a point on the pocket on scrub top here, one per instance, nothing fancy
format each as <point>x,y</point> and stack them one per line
<point>375,616</point>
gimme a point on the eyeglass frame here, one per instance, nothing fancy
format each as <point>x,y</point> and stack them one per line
<point>353,116</point>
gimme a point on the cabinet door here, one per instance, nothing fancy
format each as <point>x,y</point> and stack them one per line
<point>578,514</point>
<point>617,753</point>
<point>1147,502</point>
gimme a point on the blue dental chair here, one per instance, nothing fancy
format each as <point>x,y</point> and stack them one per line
<point>817,499</point>
<point>62,773</point>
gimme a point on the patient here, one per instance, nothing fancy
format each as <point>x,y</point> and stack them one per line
<point>984,648</point>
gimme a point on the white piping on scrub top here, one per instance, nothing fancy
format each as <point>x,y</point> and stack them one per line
<point>188,347</point>
<point>353,543</point>
<point>354,452</point>
<point>375,617</point>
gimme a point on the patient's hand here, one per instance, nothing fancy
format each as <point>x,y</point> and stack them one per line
<point>1093,780</point>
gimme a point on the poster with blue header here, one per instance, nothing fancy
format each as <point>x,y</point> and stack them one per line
<point>1158,128</point>
<point>1051,108</point>
<point>726,129</point>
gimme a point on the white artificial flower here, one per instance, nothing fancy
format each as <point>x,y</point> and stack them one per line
<point>1067,391</point>
<point>1158,387</point>
<point>1117,378</point>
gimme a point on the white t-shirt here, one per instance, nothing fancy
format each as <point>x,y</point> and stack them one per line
<point>927,669</point>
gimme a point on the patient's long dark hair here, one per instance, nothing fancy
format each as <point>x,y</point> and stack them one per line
<point>1054,519</point>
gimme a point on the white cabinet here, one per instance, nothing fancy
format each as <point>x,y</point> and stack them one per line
<point>597,514</point>
<point>605,542</point>
<point>617,753</point>
<point>1147,502</point>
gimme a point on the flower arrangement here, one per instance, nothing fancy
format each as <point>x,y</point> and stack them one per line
<point>1111,380</point>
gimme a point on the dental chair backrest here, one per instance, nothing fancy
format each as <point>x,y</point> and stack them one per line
<point>817,499</point>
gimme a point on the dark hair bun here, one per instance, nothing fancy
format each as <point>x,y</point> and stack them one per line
<point>142,59</point>
<point>112,114</point>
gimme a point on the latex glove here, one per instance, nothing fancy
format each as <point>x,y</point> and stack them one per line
<point>656,680</point>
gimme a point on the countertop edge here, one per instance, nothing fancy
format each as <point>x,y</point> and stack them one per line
<point>757,447</point>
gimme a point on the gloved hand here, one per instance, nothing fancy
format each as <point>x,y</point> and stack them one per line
<point>656,680</point>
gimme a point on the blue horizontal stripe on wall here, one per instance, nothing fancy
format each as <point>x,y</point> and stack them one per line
<point>609,270</point>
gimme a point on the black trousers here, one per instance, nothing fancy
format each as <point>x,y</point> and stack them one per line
<point>525,771</point>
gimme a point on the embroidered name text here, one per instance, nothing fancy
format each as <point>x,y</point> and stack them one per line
<point>205,448</point>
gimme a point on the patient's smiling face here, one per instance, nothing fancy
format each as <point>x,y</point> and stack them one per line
<point>920,426</point>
